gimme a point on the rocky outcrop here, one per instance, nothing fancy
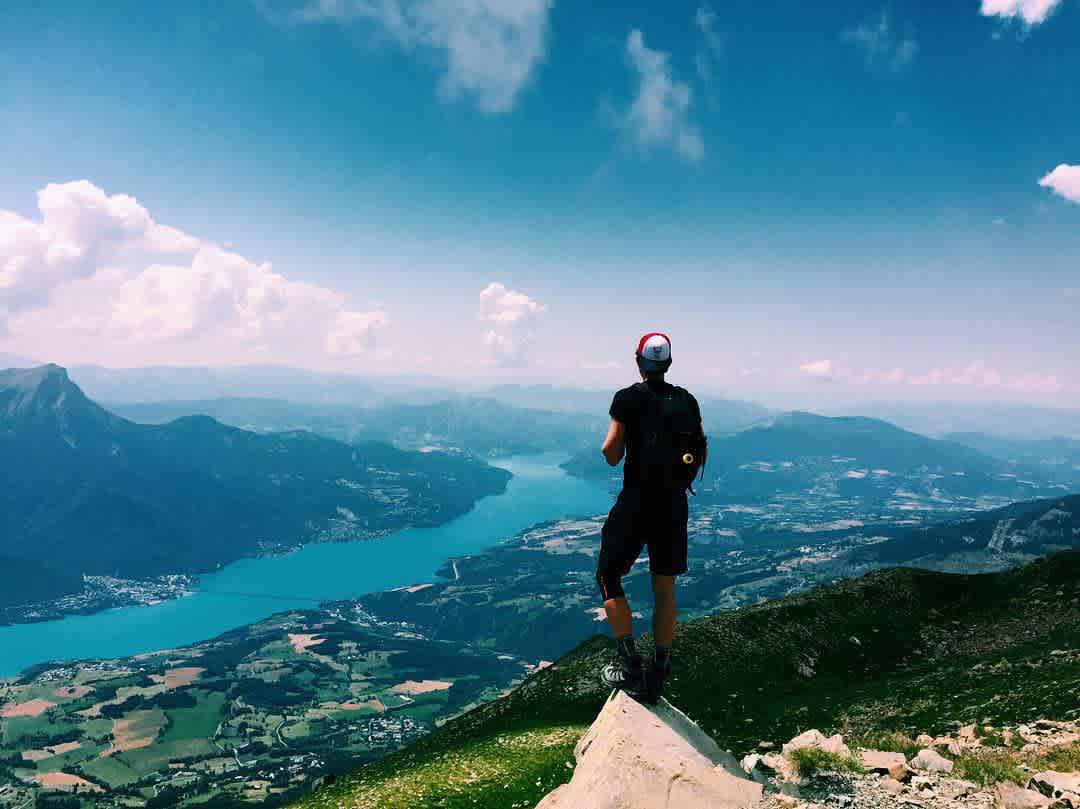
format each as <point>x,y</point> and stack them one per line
<point>815,738</point>
<point>931,760</point>
<point>894,765</point>
<point>1061,786</point>
<point>640,757</point>
<point>1011,796</point>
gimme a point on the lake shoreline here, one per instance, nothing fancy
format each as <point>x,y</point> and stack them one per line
<point>250,589</point>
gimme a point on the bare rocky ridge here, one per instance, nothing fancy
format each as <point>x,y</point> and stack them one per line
<point>640,757</point>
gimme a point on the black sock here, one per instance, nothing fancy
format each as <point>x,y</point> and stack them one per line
<point>627,649</point>
<point>662,656</point>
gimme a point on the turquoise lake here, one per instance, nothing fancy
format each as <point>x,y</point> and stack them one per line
<point>251,589</point>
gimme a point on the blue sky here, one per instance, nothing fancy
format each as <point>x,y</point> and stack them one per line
<point>845,200</point>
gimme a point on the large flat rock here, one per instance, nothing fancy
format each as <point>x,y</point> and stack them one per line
<point>640,757</point>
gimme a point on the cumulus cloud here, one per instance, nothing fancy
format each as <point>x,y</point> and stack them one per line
<point>353,333</point>
<point>1064,181</point>
<point>91,267</point>
<point>489,49</point>
<point>511,319</point>
<point>880,45</point>
<point>659,116</point>
<point>1031,12</point>
<point>81,228</point>
<point>819,369</point>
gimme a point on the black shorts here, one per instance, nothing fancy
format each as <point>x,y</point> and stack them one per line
<point>638,520</point>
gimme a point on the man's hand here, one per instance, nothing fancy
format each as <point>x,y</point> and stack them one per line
<point>614,443</point>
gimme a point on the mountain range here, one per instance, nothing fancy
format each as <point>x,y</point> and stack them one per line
<point>85,491</point>
<point>846,457</point>
<point>478,424</point>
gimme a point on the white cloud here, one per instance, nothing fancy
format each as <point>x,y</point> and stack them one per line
<point>892,376</point>
<point>1036,383</point>
<point>820,369</point>
<point>879,44</point>
<point>353,333</point>
<point>1031,12</point>
<point>87,270</point>
<point>511,317</point>
<point>490,49</point>
<point>977,374</point>
<point>1064,181</point>
<point>81,228</point>
<point>712,46</point>
<point>660,113</point>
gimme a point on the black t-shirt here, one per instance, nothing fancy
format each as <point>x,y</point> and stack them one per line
<point>629,407</point>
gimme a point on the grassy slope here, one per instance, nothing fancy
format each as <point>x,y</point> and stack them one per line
<point>899,649</point>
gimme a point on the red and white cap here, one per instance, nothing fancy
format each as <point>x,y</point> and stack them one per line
<point>654,352</point>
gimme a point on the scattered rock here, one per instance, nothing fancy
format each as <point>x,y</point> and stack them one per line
<point>815,738</point>
<point>931,761</point>
<point>922,782</point>
<point>924,740</point>
<point>892,785</point>
<point>953,788</point>
<point>1011,796</point>
<point>893,765</point>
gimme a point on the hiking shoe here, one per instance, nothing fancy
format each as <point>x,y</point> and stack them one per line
<point>654,681</point>
<point>625,675</point>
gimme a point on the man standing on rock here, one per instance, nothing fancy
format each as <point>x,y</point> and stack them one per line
<point>658,428</point>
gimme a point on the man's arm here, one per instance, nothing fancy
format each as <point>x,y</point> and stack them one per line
<point>614,443</point>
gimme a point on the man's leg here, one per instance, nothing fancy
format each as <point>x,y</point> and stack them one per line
<point>663,619</point>
<point>619,617</point>
<point>619,547</point>
<point>617,610</point>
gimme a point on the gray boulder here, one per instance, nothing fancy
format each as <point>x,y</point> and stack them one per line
<point>1010,796</point>
<point>931,761</point>
<point>640,757</point>
<point>894,765</point>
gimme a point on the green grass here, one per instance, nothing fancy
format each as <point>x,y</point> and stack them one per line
<point>811,760</point>
<point>890,741</point>
<point>1063,759</point>
<point>988,767</point>
<point>110,770</point>
<point>506,771</point>
<point>199,722</point>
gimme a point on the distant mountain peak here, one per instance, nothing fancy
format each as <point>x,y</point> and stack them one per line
<point>29,378</point>
<point>37,392</point>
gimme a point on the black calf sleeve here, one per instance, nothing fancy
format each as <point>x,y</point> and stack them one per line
<point>610,586</point>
